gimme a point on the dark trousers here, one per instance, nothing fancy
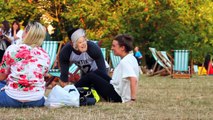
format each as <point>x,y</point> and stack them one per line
<point>101,83</point>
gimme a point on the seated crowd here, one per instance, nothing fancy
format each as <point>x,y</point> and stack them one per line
<point>25,64</point>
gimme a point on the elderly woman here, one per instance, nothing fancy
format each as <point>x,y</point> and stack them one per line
<point>23,69</point>
<point>84,53</point>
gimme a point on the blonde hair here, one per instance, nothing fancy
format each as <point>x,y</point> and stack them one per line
<point>35,34</point>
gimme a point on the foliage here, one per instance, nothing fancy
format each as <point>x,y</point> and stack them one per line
<point>163,24</point>
<point>21,11</point>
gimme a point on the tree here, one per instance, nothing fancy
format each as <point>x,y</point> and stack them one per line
<point>163,24</point>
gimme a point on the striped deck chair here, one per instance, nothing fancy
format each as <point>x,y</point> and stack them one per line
<point>181,67</point>
<point>52,48</point>
<point>160,62</point>
<point>103,50</point>
<point>74,73</point>
<point>114,59</point>
<point>165,59</point>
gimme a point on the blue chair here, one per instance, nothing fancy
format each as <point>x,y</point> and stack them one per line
<point>103,50</point>
<point>181,67</point>
<point>114,59</point>
<point>52,48</point>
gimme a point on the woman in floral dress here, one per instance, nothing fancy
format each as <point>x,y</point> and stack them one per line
<point>22,70</point>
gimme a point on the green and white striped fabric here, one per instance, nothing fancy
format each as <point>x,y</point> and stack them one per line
<point>114,59</point>
<point>181,59</point>
<point>167,61</point>
<point>73,68</point>
<point>157,59</point>
<point>103,50</point>
<point>51,47</point>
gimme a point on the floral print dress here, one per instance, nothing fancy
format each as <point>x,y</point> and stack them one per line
<point>26,68</point>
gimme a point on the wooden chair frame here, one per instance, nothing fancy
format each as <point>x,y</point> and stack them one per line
<point>160,60</point>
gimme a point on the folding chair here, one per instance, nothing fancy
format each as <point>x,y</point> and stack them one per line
<point>52,48</point>
<point>160,59</point>
<point>195,69</point>
<point>74,73</point>
<point>114,59</point>
<point>166,59</point>
<point>181,67</point>
<point>103,50</point>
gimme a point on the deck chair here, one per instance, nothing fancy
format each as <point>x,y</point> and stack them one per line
<point>114,59</point>
<point>160,59</point>
<point>195,69</point>
<point>181,67</point>
<point>52,48</point>
<point>103,50</point>
<point>166,59</point>
<point>74,73</point>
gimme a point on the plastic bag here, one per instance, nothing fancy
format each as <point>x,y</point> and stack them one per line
<point>59,97</point>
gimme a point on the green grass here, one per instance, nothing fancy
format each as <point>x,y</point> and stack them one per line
<point>158,98</point>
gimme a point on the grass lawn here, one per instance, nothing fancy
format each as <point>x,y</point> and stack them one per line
<point>158,98</point>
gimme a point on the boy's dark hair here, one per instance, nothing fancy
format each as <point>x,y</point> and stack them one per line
<point>70,32</point>
<point>125,40</point>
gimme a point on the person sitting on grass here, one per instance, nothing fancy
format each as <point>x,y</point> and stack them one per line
<point>22,70</point>
<point>82,52</point>
<point>122,87</point>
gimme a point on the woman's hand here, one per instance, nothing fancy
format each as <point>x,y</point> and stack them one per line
<point>3,76</point>
<point>15,27</point>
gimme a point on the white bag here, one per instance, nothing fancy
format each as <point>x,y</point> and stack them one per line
<point>59,97</point>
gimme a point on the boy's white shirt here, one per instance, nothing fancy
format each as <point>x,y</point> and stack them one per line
<point>128,67</point>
